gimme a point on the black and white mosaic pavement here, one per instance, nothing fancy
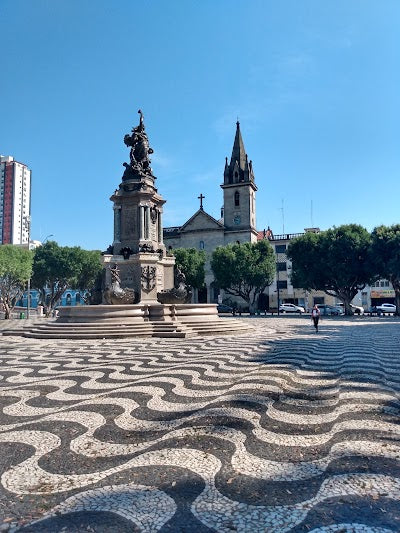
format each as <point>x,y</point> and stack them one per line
<point>280,430</point>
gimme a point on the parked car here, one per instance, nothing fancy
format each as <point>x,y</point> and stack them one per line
<point>386,308</point>
<point>357,310</point>
<point>326,310</point>
<point>291,308</point>
<point>222,308</point>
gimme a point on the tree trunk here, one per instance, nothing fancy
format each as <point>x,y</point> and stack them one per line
<point>396,287</point>
<point>252,308</point>
<point>7,311</point>
<point>346,298</point>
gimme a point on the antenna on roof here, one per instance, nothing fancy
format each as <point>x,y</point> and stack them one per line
<point>283,217</point>
<point>311,213</point>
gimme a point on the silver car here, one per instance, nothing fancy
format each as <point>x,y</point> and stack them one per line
<point>291,308</point>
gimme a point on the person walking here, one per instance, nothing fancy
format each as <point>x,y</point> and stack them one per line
<point>315,314</point>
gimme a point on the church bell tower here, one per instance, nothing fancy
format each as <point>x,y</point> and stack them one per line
<point>239,195</point>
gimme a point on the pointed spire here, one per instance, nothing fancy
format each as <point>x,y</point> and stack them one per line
<point>238,151</point>
<point>239,169</point>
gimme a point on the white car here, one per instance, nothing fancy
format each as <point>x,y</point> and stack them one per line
<point>357,309</point>
<point>291,308</point>
<point>386,308</point>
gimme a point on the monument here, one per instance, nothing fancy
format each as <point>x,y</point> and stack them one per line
<point>144,294</point>
<point>138,251</point>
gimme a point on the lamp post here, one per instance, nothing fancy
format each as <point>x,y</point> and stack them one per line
<point>277,282</point>
<point>27,221</point>
<point>44,242</point>
<point>48,237</point>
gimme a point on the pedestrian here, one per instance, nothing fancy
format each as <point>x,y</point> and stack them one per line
<point>315,314</point>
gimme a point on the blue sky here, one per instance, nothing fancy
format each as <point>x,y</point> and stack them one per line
<point>315,85</point>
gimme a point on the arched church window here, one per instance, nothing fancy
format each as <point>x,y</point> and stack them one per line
<point>201,245</point>
<point>77,298</point>
<point>68,299</point>
<point>237,198</point>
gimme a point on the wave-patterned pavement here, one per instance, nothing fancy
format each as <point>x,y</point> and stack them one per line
<point>280,430</point>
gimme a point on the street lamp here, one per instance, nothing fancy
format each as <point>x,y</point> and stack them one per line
<point>48,237</point>
<point>277,281</point>
<point>27,222</point>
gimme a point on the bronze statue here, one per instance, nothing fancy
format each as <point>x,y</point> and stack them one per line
<point>180,294</point>
<point>138,141</point>
<point>115,294</point>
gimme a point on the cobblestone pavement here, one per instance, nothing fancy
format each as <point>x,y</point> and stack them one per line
<point>281,430</point>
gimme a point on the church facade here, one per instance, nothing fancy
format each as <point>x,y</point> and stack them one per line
<point>237,222</point>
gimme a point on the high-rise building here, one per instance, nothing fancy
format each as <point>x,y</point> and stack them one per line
<point>15,201</point>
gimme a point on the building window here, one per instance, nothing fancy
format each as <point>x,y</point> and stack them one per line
<point>281,266</point>
<point>280,248</point>
<point>77,298</point>
<point>68,299</point>
<point>237,199</point>
<point>282,284</point>
<point>319,300</point>
<point>201,245</point>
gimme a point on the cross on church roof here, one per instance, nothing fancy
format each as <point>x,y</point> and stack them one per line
<point>201,198</point>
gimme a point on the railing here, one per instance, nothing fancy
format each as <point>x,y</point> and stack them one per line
<point>285,236</point>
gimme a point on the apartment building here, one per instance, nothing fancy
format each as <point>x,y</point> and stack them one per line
<point>15,201</point>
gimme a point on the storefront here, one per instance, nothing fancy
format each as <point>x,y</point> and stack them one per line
<point>384,296</point>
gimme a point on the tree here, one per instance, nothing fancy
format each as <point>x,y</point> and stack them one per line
<point>90,274</point>
<point>385,256</point>
<point>55,268</point>
<point>15,271</point>
<point>244,270</point>
<point>335,261</point>
<point>191,262</point>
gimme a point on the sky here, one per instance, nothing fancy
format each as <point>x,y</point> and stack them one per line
<point>315,85</point>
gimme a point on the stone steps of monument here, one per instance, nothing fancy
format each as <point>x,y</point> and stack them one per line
<point>184,328</point>
<point>56,330</point>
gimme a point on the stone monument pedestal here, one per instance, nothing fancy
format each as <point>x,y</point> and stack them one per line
<point>145,273</point>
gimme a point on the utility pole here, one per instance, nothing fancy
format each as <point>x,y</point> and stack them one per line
<point>27,220</point>
<point>277,282</point>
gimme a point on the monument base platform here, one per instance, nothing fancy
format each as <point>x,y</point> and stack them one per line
<point>139,320</point>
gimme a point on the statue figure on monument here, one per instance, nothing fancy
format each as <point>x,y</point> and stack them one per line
<point>116,294</point>
<point>138,141</point>
<point>180,294</point>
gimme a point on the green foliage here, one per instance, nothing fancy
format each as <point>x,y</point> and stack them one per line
<point>385,256</point>
<point>59,267</point>
<point>191,262</point>
<point>15,271</point>
<point>335,261</point>
<point>244,270</point>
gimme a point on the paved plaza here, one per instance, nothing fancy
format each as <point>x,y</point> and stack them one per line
<point>279,430</point>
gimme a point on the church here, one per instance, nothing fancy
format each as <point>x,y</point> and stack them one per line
<point>237,222</point>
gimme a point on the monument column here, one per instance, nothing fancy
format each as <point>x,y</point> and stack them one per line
<point>147,222</point>
<point>141,207</point>
<point>117,223</point>
<point>160,231</point>
<point>138,252</point>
